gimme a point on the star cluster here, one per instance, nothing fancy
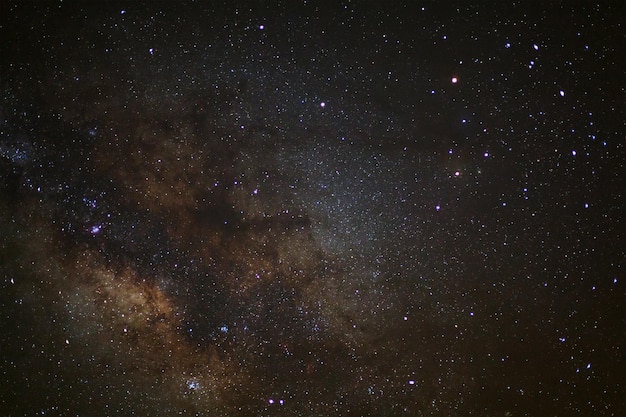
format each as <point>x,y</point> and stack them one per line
<point>312,209</point>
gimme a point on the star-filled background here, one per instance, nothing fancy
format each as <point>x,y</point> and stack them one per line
<point>311,208</point>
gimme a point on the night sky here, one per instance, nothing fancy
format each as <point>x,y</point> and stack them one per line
<point>311,208</point>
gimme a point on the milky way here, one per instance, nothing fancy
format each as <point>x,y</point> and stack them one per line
<point>348,209</point>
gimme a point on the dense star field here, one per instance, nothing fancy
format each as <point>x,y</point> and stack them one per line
<point>312,209</point>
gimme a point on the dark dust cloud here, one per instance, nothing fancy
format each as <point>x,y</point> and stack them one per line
<point>312,209</point>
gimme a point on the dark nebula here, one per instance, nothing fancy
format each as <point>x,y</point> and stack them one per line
<point>312,209</point>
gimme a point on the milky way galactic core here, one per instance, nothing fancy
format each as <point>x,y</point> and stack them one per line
<point>312,209</point>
